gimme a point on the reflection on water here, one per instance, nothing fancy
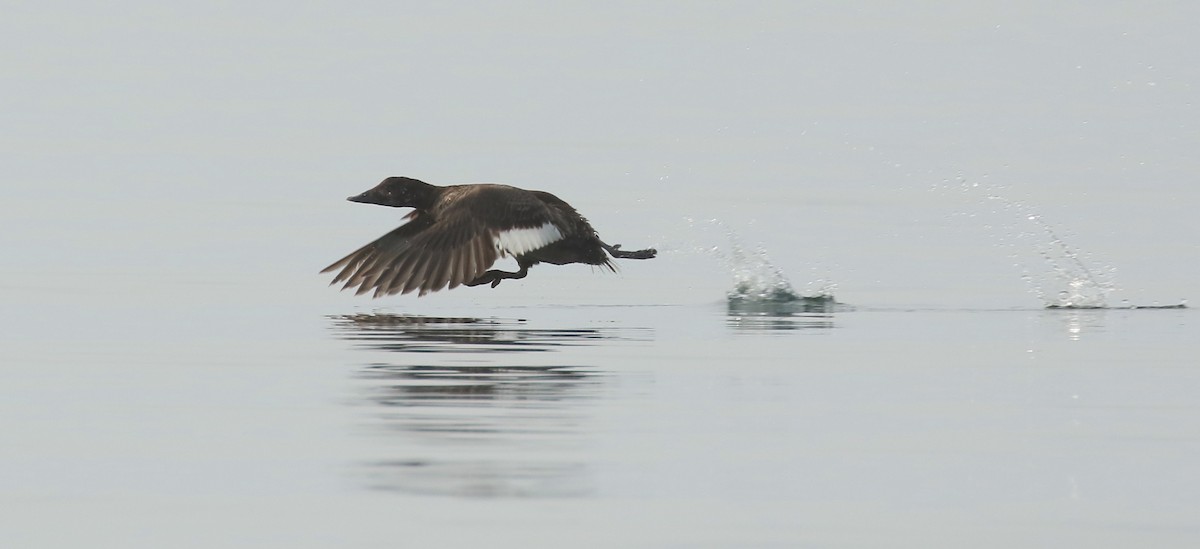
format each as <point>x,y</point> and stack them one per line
<point>481,478</point>
<point>1076,322</point>
<point>434,385</point>
<point>419,334</point>
<point>479,407</point>
<point>1080,321</point>
<point>792,314</point>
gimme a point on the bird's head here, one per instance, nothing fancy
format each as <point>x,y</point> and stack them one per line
<point>397,192</point>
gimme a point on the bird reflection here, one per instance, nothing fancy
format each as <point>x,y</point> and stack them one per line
<point>420,334</point>
<point>435,385</point>
<point>481,407</point>
<point>487,478</point>
<point>772,315</point>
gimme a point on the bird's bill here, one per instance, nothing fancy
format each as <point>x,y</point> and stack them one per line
<point>366,197</point>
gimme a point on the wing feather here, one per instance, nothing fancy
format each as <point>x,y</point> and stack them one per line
<point>451,245</point>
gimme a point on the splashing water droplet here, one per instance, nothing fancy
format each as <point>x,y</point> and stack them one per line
<point>757,279</point>
<point>1079,284</point>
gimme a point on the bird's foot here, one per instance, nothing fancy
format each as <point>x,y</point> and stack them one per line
<point>495,276</point>
<point>648,253</point>
<point>483,279</point>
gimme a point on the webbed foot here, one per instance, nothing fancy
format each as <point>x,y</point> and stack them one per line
<point>494,277</point>
<point>616,251</point>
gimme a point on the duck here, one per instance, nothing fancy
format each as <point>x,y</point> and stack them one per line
<point>455,233</point>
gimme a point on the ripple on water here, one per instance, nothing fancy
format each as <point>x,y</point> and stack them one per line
<point>465,402</point>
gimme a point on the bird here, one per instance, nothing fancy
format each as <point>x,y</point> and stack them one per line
<point>455,233</point>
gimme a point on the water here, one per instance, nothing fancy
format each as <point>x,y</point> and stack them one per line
<point>858,367</point>
<point>737,422</point>
<point>755,278</point>
<point>1062,277</point>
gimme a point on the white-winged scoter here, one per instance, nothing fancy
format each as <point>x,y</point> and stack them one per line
<point>455,233</point>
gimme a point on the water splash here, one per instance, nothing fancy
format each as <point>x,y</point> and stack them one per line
<point>1067,279</point>
<point>755,277</point>
<point>757,280</point>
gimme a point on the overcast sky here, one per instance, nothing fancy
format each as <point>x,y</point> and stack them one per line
<point>142,133</point>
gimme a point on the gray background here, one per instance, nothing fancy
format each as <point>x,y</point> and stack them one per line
<point>174,177</point>
<point>166,140</point>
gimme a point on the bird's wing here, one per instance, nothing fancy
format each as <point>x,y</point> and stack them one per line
<point>422,254</point>
<point>449,247</point>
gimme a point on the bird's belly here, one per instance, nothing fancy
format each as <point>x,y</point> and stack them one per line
<point>571,250</point>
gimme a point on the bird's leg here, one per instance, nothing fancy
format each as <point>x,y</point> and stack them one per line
<point>495,276</point>
<point>615,251</point>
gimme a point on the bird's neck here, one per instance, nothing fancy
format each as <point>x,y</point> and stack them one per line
<point>423,195</point>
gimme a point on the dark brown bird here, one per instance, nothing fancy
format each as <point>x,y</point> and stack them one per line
<point>455,233</point>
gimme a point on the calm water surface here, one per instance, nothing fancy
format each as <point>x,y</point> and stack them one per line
<point>600,426</point>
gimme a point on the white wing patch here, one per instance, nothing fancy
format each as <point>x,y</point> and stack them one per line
<point>523,241</point>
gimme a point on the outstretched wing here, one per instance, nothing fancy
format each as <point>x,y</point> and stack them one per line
<point>444,248</point>
<point>420,255</point>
